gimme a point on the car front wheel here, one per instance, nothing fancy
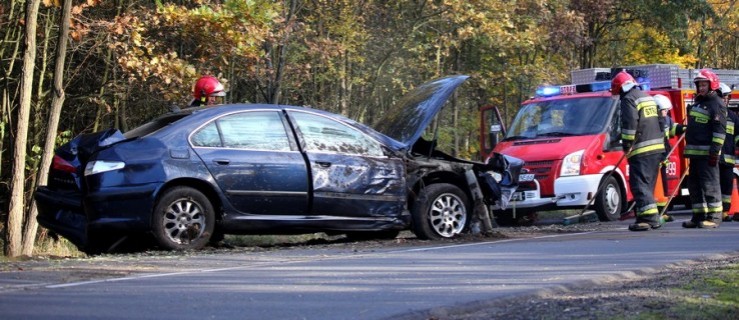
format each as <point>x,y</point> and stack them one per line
<point>441,211</point>
<point>183,219</point>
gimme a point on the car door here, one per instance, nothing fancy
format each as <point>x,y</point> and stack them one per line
<point>255,162</point>
<point>350,174</point>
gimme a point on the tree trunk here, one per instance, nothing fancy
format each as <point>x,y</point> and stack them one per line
<point>276,90</point>
<point>11,41</point>
<point>29,236</point>
<point>344,85</point>
<point>17,189</point>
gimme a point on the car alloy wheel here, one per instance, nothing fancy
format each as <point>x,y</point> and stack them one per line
<point>183,219</point>
<point>447,215</point>
<point>440,212</point>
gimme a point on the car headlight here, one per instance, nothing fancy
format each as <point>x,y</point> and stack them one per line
<point>571,164</point>
<point>94,167</point>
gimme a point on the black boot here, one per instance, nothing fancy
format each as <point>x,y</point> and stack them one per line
<point>639,226</point>
<point>695,221</point>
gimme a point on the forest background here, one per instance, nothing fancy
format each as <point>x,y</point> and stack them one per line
<point>71,67</point>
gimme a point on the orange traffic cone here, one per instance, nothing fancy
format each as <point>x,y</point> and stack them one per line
<point>659,192</point>
<point>661,199</point>
<point>734,200</point>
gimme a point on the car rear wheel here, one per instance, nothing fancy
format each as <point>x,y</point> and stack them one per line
<point>609,202</point>
<point>441,211</point>
<point>183,219</point>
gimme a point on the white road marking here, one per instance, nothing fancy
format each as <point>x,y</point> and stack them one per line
<point>145,276</point>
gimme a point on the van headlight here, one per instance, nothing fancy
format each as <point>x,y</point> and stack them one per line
<point>571,164</point>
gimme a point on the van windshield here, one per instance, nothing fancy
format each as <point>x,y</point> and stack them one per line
<point>562,117</point>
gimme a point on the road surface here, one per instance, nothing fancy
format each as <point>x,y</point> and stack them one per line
<point>331,283</point>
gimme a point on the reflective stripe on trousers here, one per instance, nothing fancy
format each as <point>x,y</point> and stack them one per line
<point>703,185</point>
<point>642,178</point>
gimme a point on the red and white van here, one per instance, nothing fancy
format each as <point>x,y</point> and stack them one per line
<point>569,137</point>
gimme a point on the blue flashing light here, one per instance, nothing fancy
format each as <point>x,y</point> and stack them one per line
<point>600,86</point>
<point>547,91</point>
<point>644,83</point>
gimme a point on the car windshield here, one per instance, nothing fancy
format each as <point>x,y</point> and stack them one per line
<point>562,117</point>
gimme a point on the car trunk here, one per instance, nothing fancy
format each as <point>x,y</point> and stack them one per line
<point>60,201</point>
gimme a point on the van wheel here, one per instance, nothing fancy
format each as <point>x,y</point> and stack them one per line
<point>609,202</point>
<point>183,219</point>
<point>441,211</point>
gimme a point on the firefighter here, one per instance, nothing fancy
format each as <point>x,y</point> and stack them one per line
<point>643,141</point>
<point>705,134</point>
<point>728,158</point>
<point>207,91</point>
<point>666,124</point>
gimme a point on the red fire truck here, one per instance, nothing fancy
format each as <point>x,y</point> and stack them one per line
<point>569,137</point>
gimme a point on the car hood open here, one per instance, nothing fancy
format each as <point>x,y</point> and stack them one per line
<point>406,121</point>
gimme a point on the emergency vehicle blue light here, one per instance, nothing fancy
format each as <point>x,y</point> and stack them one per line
<point>600,86</point>
<point>644,83</point>
<point>547,91</point>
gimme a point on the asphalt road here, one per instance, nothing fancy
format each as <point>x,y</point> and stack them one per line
<point>383,283</point>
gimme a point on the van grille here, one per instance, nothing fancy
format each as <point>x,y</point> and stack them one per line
<point>540,169</point>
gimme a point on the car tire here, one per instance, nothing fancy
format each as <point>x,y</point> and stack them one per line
<point>183,219</point>
<point>441,211</point>
<point>609,201</point>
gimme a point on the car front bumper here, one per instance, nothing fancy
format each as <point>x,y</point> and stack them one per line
<point>570,192</point>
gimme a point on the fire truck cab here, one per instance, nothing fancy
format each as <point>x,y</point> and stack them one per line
<point>570,138</point>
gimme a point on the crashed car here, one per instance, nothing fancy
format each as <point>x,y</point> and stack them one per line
<point>191,176</point>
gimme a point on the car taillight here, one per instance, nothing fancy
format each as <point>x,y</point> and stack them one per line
<point>62,165</point>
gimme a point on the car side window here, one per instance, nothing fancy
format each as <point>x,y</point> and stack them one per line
<point>258,130</point>
<point>207,136</point>
<point>325,135</point>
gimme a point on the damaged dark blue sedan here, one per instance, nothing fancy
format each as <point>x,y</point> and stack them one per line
<point>191,176</point>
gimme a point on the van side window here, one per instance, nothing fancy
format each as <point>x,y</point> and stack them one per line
<point>614,134</point>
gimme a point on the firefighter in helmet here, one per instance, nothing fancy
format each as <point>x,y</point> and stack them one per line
<point>666,124</point>
<point>207,91</point>
<point>704,137</point>
<point>643,141</point>
<point>728,151</point>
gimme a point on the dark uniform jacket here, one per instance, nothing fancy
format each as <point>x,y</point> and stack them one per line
<point>640,128</point>
<point>706,128</point>
<point>666,123</point>
<point>727,152</point>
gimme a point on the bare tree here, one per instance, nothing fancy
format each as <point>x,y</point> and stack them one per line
<point>29,236</point>
<point>17,187</point>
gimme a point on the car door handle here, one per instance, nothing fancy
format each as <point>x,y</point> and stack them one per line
<point>323,164</point>
<point>222,161</point>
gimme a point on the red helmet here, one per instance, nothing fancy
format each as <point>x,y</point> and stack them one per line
<point>707,75</point>
<point>207,86</point>
<point>622,81</point>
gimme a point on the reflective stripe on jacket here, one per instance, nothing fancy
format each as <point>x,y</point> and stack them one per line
<point>706,129</point>
<point>640,124</point>
<point>727,151</point>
